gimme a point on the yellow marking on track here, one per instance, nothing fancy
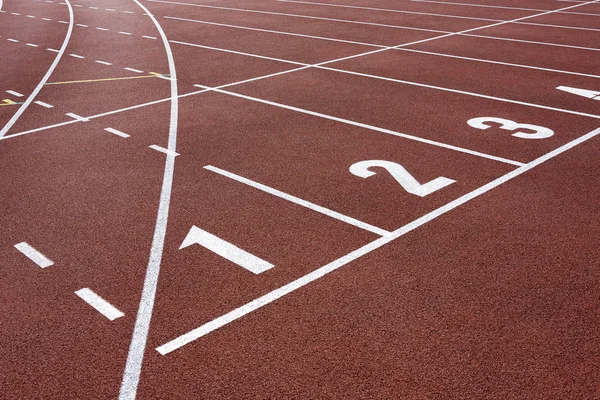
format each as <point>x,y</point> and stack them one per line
<point>8,102</point>
<point>152,75</point>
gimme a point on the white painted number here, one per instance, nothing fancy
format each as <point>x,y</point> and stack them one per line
<point>401,175</point>
<point>506,124</point>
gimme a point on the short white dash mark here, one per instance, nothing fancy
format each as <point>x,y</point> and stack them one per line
<point>76,56</point>
<point>53,50</point>
<point>41,103</point>
<point>226,250</point>
<point>102,29</point>
<point>31,45</point>
<point>101,305</point>
<point>14,93</point>
<point>116,132</point>
<point>149,37</point>
<point>137,71</point>
<point>103,62</point>
<point>163,150</point>
<point>41,260</point>
<point>77,117</point>
<point>13,40</point>
<point>82,25</point>
<point>125,33</point>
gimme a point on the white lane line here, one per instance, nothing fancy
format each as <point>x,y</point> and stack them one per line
<point>102,29</point>
<point>137,348</point>
<point>240,53</point>
<point>226,250</point>
<point>93,8</point>
<point>30,16</point>
<point>13,40</point>
<point>356,254</point>
<point>82,25</point>
<point>31,45</point>
<point>76,56</point>
<point>110,9</point>
<point>54,50</point>
<point>116,132</point>
<point>99,304</point>
<point>128,12</point>
<point>382,46</point>
<point>276,32</point>
<point>163,150</point>
<point>125,33</point>
<point>437,15</point>
<point>77,117</point>
<point>103,62</point>
<point>133,70</point>
<point>446,33</point>
<point>12,92</point>
<point>63,22</point>
<point>46,19</point>
<point>41,103</point>
<point>44,79</point>
<point>149,37</point>
<point>366,126</point>
<point>500,7</point>
<point>298,201</point>
<point>41,260</point>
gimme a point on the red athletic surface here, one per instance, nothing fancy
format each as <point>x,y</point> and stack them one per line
<point>496,299</point>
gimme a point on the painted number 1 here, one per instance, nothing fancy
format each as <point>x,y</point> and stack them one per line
<point>539,132</point>
<point>401,175</point>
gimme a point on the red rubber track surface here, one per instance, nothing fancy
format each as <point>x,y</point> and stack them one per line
<point>487,288</point>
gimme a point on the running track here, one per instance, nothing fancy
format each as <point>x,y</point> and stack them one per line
<point>281,199</point>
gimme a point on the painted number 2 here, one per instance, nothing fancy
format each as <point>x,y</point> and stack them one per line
<point>401,175</point>
<point>539,132</point>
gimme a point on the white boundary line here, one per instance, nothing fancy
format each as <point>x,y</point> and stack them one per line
<point>437,15</point>
<point>367,126</point>
<point>99,304</point>
<point>45,78</point>
<point>364,44</point>
<point>299,201</point>
<point>462,33</point>
<point>501,7</point>
<point>135,356</point>
<point>354,255</point>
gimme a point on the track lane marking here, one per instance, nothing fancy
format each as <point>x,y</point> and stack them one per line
<point>439,15</point>
<point>12,92</point>
<point>366,126</point>
<point>117,132</point>
<point>382,46</point>
<point>449,33</point>
<point>41,103</point>
<point>163,150</point>
<point>500,7</point>
<point>45,78</point>
<point>137,347</point>
<point>277,74</point>
<point>225,249</point>
<point>296,200</point>
<point>99,304</point>
<point>286,289</point>
<point>77,117</point>
<point>103,79</point>
<point>34,255</point>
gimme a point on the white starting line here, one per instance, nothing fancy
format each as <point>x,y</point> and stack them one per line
<point>101,305</point>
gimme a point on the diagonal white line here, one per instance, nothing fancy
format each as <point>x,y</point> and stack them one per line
<point>99,304</point>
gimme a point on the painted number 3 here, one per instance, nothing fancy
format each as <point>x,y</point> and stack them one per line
<point>532,131</point>
<point>401,175</point>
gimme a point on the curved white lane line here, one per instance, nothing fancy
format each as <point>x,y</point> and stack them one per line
<point>133,367</point>
<point>41,84</point>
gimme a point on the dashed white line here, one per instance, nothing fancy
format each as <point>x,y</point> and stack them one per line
<point>125,33</point>
<point>102,29</point>
<point>82,25</point>
<point>137,71</point>
<point>13,40</point>
<point>12,92</point>
<point>99,304</point>
<point>31,45</point>
<point>54,50</point>
<point>116,132</point>
<point>149,37</point>
<point>41,103</point>
<point>163,150</point>
<point>77,117</point>
<point>41,260</point>
<point>103,62</point>
<point>76,56</point>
